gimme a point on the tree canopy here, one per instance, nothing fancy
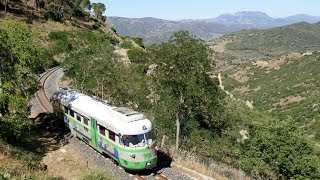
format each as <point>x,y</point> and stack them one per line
<point>98,9</point>
<point>182,81</point>
<point>279,150</point>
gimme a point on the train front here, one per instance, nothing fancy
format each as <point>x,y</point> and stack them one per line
<point>139,146</point>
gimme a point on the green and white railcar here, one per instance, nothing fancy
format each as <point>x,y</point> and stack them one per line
<point>123,134</point>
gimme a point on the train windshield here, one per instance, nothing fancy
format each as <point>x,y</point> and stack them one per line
<point>140,140</point>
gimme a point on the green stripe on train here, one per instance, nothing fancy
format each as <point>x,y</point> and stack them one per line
<point>136,165</point>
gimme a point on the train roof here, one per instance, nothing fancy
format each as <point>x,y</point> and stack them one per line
<point>119,119</point>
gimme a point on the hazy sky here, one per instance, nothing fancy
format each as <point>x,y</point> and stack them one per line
<point>200,9</point>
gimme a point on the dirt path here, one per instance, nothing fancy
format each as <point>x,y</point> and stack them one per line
<point>67,163</point>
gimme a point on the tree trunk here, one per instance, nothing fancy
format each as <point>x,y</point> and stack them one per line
<point>178,130</point>
<point>5,5</point>
<point>36,4</point>
<point>178,121</point>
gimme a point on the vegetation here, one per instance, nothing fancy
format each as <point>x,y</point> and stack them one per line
<point>193,100</point>
<point>96,175</point>
<point>279,150</point>
<point>22,57</point>
<point>299,37</point>
<point>283,86</point>
<point>98,9</point>
<point>170,83</point>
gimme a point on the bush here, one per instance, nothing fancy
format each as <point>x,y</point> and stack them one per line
<point>279,150</point>
<point>51,15</point>
<point>137,55</point>
<point>127,44</point>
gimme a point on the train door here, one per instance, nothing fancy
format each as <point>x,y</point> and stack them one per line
<point>93,132</point>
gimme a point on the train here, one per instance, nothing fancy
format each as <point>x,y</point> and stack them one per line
<point>125,135</point>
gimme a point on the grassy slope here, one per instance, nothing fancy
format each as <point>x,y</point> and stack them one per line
<point>19,162</point>
<point>273,90</point>
<point>299,37</point>
<point>247,46</point>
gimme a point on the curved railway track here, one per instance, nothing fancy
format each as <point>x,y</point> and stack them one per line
<point>41,95</point>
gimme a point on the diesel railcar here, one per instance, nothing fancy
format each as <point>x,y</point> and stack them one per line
<point>123,134</point>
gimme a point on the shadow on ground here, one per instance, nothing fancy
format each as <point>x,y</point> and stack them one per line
<point>49,132</point>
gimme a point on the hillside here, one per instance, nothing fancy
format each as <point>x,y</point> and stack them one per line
<point>249,46</point>
<point>275,70</point>
<point>154,30</point>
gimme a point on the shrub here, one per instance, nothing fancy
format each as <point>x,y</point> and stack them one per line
<point>278,149</point>
<point>51,15</point>
<point>137,55</point>
<point>127,44</point>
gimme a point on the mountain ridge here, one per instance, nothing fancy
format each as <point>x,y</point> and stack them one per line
<point>155,30</point>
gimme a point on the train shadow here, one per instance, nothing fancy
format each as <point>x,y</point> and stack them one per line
<point>49,133</point>
<point>164,161</point>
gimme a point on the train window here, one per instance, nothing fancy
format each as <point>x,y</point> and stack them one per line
<point>71,113</point>
<point>102,130</point>
<point>86,121</point>
<point>78,117</point>
<point>112,135</point>
<point>66,109</point>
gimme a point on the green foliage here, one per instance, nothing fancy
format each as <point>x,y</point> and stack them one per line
<point>86,4</point>
<point>98,9</point>
<point>182,82</point>
<point>138,41</point>
<point>137,55</point>
<point>296,77</point>
<point>59,10</point>
<point>278,149</point>
<point>21,58</point>
<point>127,44</point>
<point>299,37</point>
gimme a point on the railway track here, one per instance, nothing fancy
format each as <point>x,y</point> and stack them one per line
<point>41,95</point>
<point>156,176</point>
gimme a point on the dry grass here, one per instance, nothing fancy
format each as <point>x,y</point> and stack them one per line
<point>192,164</point>
<point>67,163</point>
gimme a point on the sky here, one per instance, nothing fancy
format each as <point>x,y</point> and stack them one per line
<point>201,9</point>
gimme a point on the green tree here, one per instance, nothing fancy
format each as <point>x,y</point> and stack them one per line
<point>86,4</point>
<point>21,58</point>
<point>183,84</point>
<point>279,150</point>
<point>98,9</point>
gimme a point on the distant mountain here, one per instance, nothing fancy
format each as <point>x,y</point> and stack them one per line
<point>256,19</point>
<point>154,30</point>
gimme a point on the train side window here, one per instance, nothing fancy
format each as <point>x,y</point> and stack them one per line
<point>86,121</point>
<point>112,135</point>
<point>71,113</point>
<point>102,130</point>
<point>78,117</point>
<point>66,110</point>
